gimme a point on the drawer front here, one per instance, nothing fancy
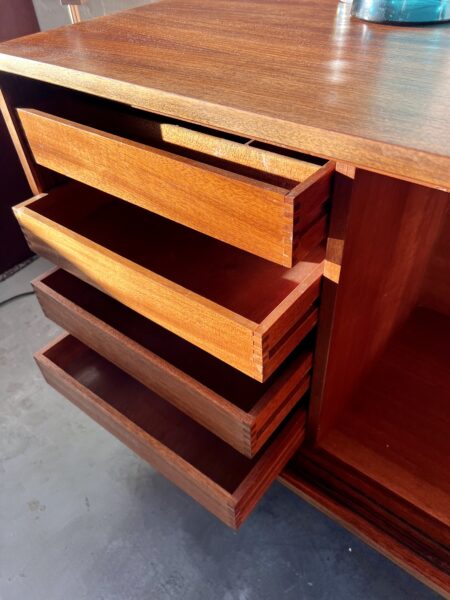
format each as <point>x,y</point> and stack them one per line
<point>278,223</point>
<point>256,346</point>
<point>234,407</point>
<point>215,475</point>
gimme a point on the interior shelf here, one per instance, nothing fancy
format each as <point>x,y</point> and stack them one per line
<point>396,430</point>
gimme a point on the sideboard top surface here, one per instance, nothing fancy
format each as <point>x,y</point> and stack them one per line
<point>298,73</point>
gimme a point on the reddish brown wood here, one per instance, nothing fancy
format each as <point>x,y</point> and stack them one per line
<point>217,476</point>
<point>242,309</point>
<point>395,430</point>
<point>343,184</point>
<point>239,410</point>
<point>412,526</point>
<point>277,220</point>
<point>297,74</point>
<point>391,230</point>
<point>356,512</point>
<point>435,292</point>
<point>379,406</point>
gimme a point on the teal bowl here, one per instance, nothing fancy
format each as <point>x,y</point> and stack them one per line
<point>402,12</point>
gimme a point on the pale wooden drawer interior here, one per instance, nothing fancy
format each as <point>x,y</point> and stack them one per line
<point>264,200</point>
<point>244,310</point>
<point>235,407</point>
<point>217,476</point>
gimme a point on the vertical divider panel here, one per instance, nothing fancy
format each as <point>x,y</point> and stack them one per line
<point>389,230</point>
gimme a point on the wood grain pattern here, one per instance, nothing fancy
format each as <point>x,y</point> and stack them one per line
<point>395,430</point>
<point>406,522</point>
<point>243,211</point>
<point>378,445</point>
<point>354,510</point>
<point>435,291</point>
<point>296,74</point>
<point>234,407</point>
<point>390,232</point>
<point>223,306</point>
<point>271,164</point>
<point>222,480</point>
<point>339,217</point>
<point>299,75</point>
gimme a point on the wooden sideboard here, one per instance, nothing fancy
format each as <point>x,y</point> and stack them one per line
<point>247,203</point>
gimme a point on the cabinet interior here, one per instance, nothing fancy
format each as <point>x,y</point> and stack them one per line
<point>391,430</point>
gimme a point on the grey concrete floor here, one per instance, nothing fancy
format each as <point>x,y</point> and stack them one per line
<point>82,517</point>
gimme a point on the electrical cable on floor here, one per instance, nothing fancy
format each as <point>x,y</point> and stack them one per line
<point>16,297</point>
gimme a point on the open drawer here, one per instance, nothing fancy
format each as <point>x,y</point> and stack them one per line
<point>217,476</point>
<point>267,203</point>
<point>236,408</point>
<point>248,312</point>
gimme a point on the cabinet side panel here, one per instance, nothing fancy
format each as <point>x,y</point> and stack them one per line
<point>435,292</point>
<point>391,229</point>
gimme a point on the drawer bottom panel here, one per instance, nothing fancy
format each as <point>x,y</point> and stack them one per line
<point>221,479</point>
